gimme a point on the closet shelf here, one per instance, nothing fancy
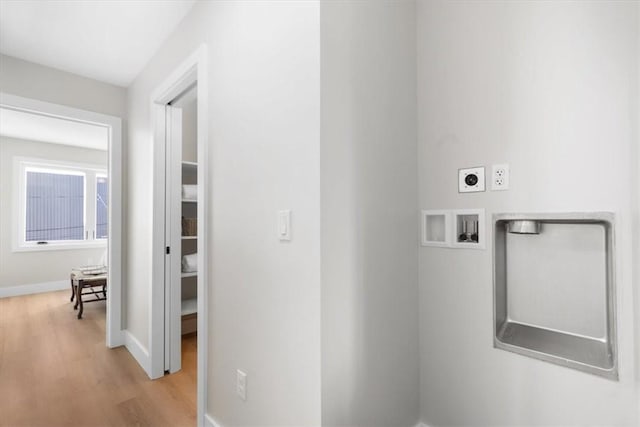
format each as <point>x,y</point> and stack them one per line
<point>189,237</point>
<point>189,201</point>
<point>186,164</point>
<point>192,274</point>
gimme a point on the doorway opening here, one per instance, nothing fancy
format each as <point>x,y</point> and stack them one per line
<point>91,215</point>
<point>180,223</point>
<point>181,230</point>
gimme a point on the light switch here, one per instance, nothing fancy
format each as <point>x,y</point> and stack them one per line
<point>241,384</point>
<point>284,225</point>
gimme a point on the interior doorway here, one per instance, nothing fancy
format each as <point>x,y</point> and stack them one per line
<point>181,227</point>
<point>185,88</point>
<point>89,234</point>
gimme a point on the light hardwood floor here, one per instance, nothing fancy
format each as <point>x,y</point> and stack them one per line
<point>55,370</point>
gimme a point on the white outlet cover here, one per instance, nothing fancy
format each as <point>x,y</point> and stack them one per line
<point>500,177</point>
<point>468,184</point>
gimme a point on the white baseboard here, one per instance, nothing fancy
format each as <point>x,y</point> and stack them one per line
<point>209,421</point>
<point>116,340</point>
<point>35,288</point>
<point>138,351</point>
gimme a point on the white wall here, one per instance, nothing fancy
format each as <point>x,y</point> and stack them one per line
<point>26,268</point>
<point>636,195</point>
<point>30,80</point>
<point>369,214</point>
<point>35,81</point>
<point>264,135</point>
<point>551,88</point>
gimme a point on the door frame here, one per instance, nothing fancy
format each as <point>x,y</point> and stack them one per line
<point>192,70</point>
<point>114,334</point>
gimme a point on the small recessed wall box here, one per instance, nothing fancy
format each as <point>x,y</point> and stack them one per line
<point>436,228</point>
<point>471,180</point>
<point>468,228</point>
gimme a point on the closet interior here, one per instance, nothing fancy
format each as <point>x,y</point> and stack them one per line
<point>189,217</point>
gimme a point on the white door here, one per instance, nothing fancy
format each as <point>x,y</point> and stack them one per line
<point>173,233</point>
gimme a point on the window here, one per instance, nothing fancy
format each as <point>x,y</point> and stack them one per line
<point>60,205</point>
<point>55,205</point>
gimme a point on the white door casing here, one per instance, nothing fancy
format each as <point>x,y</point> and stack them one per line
<point>192,70</point>
<point>114,326</point>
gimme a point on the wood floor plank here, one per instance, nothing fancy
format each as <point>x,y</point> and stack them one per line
<point>56,370</point>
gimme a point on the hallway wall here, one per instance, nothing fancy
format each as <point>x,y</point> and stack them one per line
<point>35,81</point>
<point>264,136</point>
<point>550,88</point>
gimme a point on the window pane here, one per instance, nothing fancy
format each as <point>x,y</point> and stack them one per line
<point>102,208</point>
<point>55,206</point>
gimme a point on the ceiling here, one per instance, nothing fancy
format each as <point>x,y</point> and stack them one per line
<point>106,40</point>
<point>38,127</point>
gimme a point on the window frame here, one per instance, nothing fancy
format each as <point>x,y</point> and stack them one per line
<point>100,174</point>
<point>89,171</point>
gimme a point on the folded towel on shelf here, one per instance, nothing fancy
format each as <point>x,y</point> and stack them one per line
<point>190,192</point>
<point>190,263</point>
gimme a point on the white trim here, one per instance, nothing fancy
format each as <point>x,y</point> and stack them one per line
<point>193,69</point>
<point>137,350</point>
<point>114,127</point>
<point>56,165</point>
<point>203,243</point>
<point>35,288</point>
<point>209,421</point>
<point>63,245</point>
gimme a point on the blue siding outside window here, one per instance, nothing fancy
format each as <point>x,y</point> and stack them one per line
<point>102,208</point>
<point>55,206</point>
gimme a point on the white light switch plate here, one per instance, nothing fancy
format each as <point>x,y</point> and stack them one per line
<point>471,180</point>
<point>284,225</point>
<point>241,384</point>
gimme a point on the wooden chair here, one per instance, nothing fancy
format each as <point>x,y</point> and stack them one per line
<point>85,284</point>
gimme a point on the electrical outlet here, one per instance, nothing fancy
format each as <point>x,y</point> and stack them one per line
<point>500,177</point>
<point>241,384</point>
<point>471,180</point>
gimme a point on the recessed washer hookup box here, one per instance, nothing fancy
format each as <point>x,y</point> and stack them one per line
<point>554,289</point>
